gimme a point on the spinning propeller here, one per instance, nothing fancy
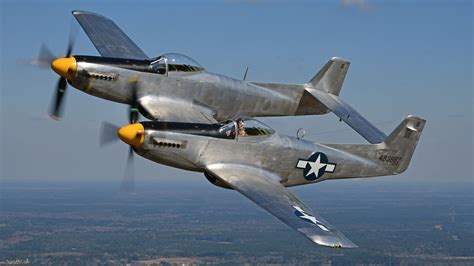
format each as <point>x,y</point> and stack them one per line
<point>65,67</point>
<point>132,134</point>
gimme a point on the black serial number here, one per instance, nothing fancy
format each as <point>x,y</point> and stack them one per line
<point>393,160</point>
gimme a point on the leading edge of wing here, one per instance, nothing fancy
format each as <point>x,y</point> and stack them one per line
<point>263,188</point>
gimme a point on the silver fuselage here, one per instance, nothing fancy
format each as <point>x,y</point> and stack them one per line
<point>225,98</point>
<point>275,153</point>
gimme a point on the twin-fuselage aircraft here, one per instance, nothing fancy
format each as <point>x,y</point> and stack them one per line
<point>203,122</point>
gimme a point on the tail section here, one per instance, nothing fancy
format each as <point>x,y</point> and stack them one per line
<point>331,77</point>
<point>390,157</point>
<point>402,141</point>
<point>328,80</point>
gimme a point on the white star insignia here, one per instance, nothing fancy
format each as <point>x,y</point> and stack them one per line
<point>316,166</point>
<point>304,215</point>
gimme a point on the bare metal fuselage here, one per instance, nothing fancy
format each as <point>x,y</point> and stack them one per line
<point>222,97</point>
<point>276,153</point>
<point>225,99</point>
<point>188,106</point>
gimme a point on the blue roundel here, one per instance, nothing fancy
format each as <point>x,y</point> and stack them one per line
<point>312,174</point>
<point>316,165</point>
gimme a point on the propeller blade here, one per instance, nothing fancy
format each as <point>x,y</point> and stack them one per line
<point>133,113</point>
<point>130,155</point>
<point>45,57</point>
<point>128,182</point>
<point>72,40</point>
<point>108,134</point>
<point>57,107</point>
<point>70,46</point>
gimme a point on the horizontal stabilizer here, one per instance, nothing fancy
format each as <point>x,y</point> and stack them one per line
<point>349,115</point>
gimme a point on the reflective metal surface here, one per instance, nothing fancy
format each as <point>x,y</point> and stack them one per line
<point>107,37</point>
<point>242,154</point>
<point>261,166</point>
<point>174,87</point>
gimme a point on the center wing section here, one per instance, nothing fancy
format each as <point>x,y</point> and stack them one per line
<point>172,110</point>
<point>326,86</point>
<point>107,37</point>
<point>263,188</point>
<point>349,115</point>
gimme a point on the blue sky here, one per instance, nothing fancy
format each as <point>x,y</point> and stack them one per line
<point>408,57</point>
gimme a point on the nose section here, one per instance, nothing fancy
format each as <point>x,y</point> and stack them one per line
<point>65,67</point>
<point>133,134</point>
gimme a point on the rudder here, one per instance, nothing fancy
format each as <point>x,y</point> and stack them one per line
<point>403,140</point>
<point>331,77</point>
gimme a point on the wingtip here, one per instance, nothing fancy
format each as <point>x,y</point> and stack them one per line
<point>335,241</point>
<point>82,12</point>
<point>415,117</point>
<point>339,59</point>
<point>351,245</point>
<point>345,244</point>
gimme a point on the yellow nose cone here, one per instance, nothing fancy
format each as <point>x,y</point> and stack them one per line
<point>133,134</point>
<point>65,67</point>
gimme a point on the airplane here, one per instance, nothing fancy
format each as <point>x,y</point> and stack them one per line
<point>173,87</point>
<point>202,121</point>
<point>251,158</point>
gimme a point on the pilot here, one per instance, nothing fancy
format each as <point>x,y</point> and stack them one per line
<point>240,127</point>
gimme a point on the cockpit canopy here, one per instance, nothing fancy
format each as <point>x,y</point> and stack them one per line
<point>252,127</point>
<point>246,128</point>
<point>173,62</point>
<point>239,128</point>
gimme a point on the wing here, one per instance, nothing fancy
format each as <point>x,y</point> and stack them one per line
<point>107,37</point>
<point>263,188</point>
<point>176,111</point>
<point>349,115</point>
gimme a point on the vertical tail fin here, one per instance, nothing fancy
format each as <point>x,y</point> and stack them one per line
<point>403,141</point>
<point>390,157</point>
<point>331,77</point>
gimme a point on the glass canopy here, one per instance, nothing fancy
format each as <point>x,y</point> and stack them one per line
<point>175,62</point>
<point>252,127</point>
